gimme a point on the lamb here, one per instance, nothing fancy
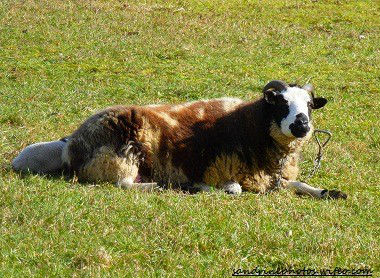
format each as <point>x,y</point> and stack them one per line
<point>225,143</point>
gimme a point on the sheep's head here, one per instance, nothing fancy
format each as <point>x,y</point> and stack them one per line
<point>291,107</point>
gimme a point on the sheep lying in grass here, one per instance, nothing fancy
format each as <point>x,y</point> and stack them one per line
<point>225,143</point>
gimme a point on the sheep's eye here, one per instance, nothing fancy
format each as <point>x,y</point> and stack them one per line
<point>281,101</point>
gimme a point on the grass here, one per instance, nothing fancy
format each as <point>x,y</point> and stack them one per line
<point>60,61</point>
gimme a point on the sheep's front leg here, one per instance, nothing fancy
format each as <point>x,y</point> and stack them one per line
<point>232,187</point>
<point>305,189</point>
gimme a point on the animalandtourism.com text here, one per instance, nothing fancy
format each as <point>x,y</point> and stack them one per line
<point>304,272</point>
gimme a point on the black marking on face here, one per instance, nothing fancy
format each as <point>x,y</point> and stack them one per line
<point>284,107</point>
<point>300,127</point>
<point>280,109</point>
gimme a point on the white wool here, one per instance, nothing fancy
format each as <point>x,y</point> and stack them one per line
<point>44,157</point>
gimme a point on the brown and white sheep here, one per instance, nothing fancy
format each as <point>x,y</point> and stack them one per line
<point>225,143</point>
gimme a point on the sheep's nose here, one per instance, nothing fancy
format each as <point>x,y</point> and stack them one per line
<point>300,127</point>
<point>301,120</point>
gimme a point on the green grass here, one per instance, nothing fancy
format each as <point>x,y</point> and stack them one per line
<point>62,60</point>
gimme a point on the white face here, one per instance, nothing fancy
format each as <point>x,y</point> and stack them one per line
<point>298,100</point>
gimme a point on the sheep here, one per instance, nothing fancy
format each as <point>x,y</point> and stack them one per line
<point>42,158</point>
<point>225,143</point>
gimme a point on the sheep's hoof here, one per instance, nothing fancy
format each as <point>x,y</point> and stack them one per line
<point>333,194</point>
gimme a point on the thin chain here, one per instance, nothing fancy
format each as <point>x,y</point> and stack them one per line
<point>317,160</point>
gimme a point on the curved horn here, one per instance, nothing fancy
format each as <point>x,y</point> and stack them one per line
<point>277,85</point>
<point>308,87</point>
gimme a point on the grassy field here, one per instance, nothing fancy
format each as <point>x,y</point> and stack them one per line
<point>60,61</point>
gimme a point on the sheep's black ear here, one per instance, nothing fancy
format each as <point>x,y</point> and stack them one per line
<point>270,96</point>
<point>319,102</point>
